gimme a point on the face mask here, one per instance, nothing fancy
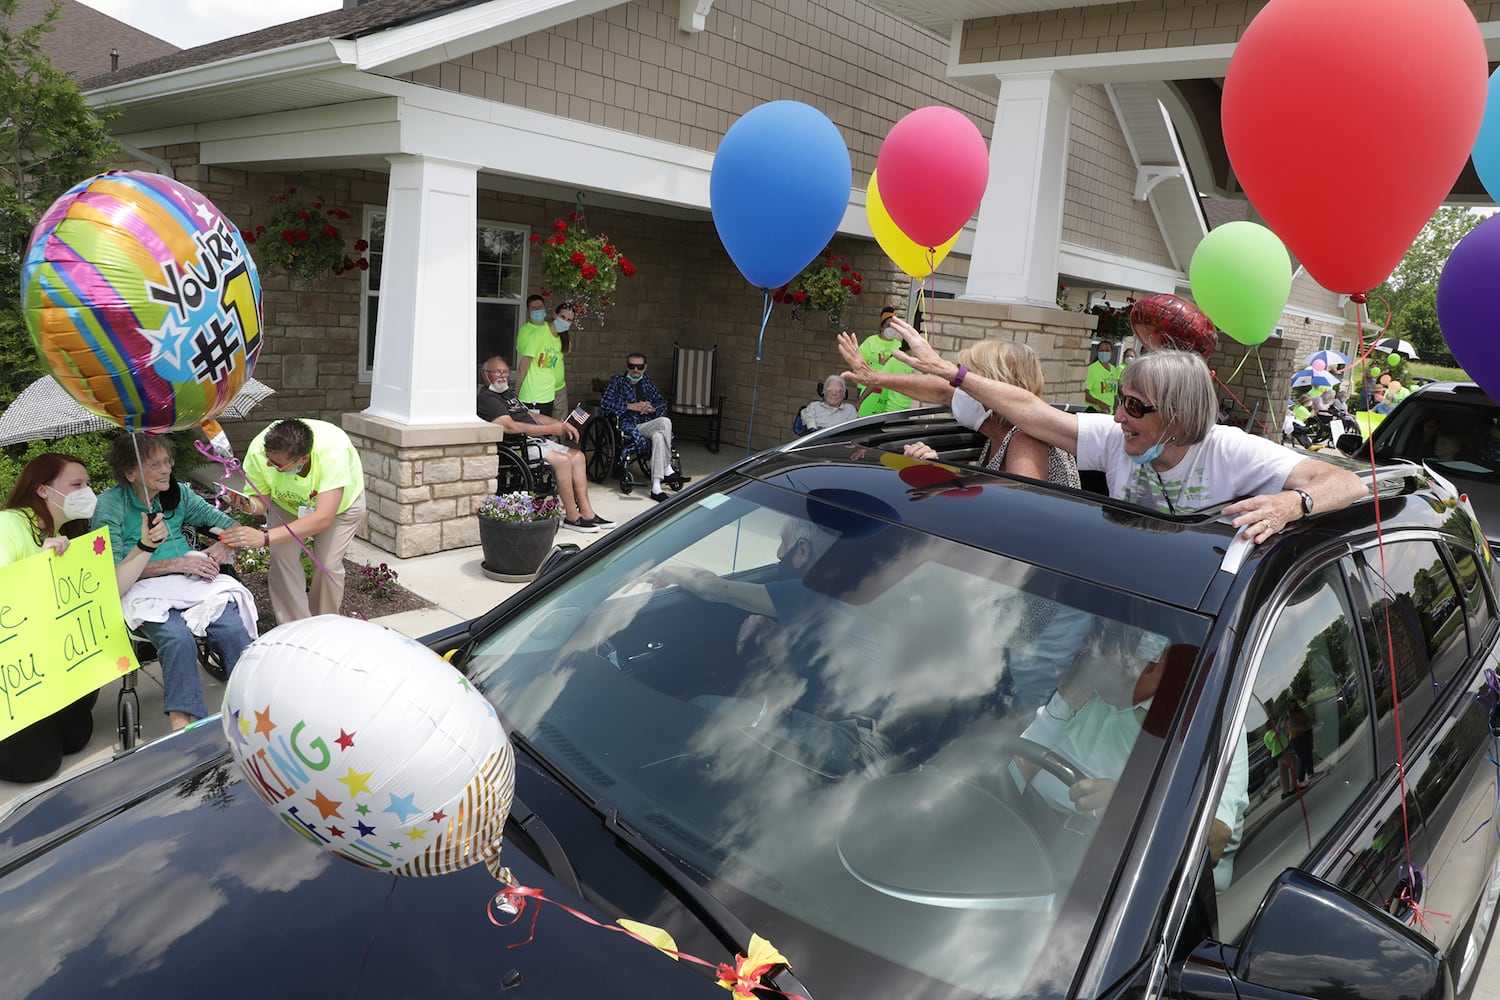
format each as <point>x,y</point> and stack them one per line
<point>77,505</point>
<point>563,326</point>
<point>1105,355</point>
<point>295,470</point>
<point>1151,454</point>
<point>889,333</point>
<point>635,376</point>
<point>538,316</point>
<point>499,386</point>
<point>967,410</point>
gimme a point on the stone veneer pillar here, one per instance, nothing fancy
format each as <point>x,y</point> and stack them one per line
<point>1060,338</point>
<point>423,483</point>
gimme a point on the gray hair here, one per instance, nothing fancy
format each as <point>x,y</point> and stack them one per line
<point>819,539</point>
<point>1182,389</point>
<point>837,380</point>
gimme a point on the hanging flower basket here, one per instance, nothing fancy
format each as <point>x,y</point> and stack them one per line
<point>304,240</point>
<point>826,285</point>
<point>578,268</point>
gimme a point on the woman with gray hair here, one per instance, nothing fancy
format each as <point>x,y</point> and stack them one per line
<point>830,410</point>
<point>1160,449</point>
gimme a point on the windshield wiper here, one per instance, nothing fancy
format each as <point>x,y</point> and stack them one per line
<point>731,932</point>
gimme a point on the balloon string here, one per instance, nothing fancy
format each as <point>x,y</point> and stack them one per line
<point>755,385</point>
<point>153,506</point>
<point>1225,386</point>
<point>374,931</point>
<point>740,979</point>
<point>1236,373</point>
<point>232,467</point>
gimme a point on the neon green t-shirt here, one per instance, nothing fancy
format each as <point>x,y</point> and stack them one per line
<point>538,342</point>
<point>17,536</point>
<point>1103,381</point>
<point>334,464</point>
<point>887,400</point>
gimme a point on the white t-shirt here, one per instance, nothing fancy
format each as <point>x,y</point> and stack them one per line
<point>1226,465</point>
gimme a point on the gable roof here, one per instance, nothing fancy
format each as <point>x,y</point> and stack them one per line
<point>369,17</point>
<point>82,38</point>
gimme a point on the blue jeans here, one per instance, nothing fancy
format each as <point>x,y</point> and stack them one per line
<point>177,651</point>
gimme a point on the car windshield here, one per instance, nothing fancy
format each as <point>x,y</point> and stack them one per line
<point>823,712</point>
<point>1459,433</point>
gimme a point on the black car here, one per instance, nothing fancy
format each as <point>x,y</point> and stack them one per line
<point>1455,428</point>
<point>806,699</point>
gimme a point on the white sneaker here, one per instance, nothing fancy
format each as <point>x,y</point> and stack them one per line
<point>587,527</point>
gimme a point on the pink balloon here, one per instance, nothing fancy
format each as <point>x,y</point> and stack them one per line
<point>933,168</point>
<point>1319,365</point>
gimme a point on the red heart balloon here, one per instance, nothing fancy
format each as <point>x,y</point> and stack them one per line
<point>1308,81</point>
<point>926,475</point>
<point>1165,321</point>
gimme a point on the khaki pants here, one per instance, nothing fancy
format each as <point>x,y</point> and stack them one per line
<point>290,597</point>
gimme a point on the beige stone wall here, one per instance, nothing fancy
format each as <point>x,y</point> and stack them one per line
<point>1121,27</point>
<point>1059,338</point>
<point>631,68</point>
<point>1099,206</point>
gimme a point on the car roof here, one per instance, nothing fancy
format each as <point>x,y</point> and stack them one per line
<point>1080,533</point>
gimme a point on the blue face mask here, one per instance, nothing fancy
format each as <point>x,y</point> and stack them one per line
<point>635,376</point>
<point>538,315</point>
<point>1105,355</point>
<point>563,326</point>
<point>1150,455</point>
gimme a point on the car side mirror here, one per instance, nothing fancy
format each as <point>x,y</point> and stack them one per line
<point>1313,939</point>
<point>561,554</point>
<point>1350,444</point>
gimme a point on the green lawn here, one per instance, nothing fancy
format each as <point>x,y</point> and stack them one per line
<point>1420,368</point>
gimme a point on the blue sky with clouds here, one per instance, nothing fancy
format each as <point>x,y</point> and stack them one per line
<point>186,23</point>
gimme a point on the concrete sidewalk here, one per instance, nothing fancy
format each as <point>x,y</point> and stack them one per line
<point>452,580</point>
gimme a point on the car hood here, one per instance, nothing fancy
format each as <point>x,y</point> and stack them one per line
<point>189,885</point>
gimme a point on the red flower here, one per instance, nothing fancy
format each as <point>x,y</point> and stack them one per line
<point>361,245</point>
<point>856,289</point>
<point>845,282</point>
<point>609,251</point>
<point>572,216</point>
<point>535,238</point>
<point>330,232</point>
<point>559,225</point>
<point>364,265</point>
<point>589,272</point>
<point>259,230</point>
<point>829,264</point>
<point>288,236</point>
<point>317,204</point>
<point>558,240</point>
<point>799,295</point>
<point>291,190</point>
<point>856,276</point>
<point>578,257</point>
<point>777,296</point>
<point>846,267</point>
<point>302,214</point>
<point>304,235</point>
<point>627,268</point>
<point>249,237</point>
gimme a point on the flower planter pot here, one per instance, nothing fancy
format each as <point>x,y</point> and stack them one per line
<point>515,549</point>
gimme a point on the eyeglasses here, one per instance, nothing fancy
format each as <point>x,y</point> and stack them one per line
<point>1134,405</point>
<point>159,464</point>
<point>283,466</point>
<point>496,371</point>
<point>636,368</point>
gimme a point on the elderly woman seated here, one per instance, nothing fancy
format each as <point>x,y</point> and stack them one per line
<point>832,409</point>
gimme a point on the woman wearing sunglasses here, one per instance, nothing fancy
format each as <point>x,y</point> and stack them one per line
<point>1161,448</point>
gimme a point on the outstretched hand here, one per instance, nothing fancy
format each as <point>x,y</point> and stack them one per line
<point>918,353</point>
<point>859,369</point>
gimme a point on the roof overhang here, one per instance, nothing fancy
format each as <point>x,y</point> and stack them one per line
<point>940,15</point>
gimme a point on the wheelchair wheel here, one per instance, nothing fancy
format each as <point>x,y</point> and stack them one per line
<point>128,716</point>
<point>513,474</point>
<point>598,443</point>
<point>212,662</point>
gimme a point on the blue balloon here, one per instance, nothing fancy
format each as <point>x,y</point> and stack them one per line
<point>1486,153</point>
<point>1466,304</point>
<point>779,187</point>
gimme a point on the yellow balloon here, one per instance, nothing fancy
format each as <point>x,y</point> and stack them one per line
<point>906,254</point>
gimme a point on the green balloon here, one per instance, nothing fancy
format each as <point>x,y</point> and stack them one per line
<point>1393,360</point>
<point>1241,277</point>
<point>1374,372</point>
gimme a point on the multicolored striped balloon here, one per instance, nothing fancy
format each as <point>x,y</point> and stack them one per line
<point>142,299</point>
<point>370,747</point>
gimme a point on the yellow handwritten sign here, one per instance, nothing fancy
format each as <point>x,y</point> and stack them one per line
<point>62,633</point>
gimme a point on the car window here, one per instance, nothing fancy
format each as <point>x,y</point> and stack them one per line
<point>832,728</point>
<point>1471,587</point>
<point>1459,431</point>
<point>1310,738</point>
<point>1415,611</point>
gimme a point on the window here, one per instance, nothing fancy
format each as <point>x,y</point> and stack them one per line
<point>500,289</point>
<point>1417,614</point>
<point>1346,348</point>
<point>1471,586</point>
<point>1310,739</point>
<point>1325,342</point>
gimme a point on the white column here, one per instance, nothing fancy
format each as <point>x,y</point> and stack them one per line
<point>424,335</point>
<point>1019,231</point>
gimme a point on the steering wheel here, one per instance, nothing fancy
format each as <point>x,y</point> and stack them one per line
<point>1048,760</point>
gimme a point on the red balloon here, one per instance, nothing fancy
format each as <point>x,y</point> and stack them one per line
<point>933,168</point>
<point>1165,321</point>
<point>1307,83</point>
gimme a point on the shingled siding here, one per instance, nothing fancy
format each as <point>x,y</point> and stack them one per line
<point>632,68</point>
<point>1099,206</point>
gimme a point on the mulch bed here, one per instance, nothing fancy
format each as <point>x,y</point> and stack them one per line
<point>360,597</point>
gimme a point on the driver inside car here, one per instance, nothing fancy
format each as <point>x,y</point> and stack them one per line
<point>1093,719</point>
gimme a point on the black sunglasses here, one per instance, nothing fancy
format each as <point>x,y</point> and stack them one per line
<point>1134,405</point>
<point>636,368</point>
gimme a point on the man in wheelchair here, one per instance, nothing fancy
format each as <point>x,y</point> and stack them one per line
<point>641,411</point>
<point>499,404</point>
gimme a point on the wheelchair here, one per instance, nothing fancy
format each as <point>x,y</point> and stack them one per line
<point>522,467</point>
<point>609,451</point>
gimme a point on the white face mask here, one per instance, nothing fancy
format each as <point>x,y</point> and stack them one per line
<point>967,410</point>
<point>78,505</point>
<point>500,386</point>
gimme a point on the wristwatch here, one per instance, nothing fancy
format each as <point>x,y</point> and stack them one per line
<point>1307,502</point>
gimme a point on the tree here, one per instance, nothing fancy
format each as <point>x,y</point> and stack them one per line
<point>49,141</point>
<point>1411,290</point>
